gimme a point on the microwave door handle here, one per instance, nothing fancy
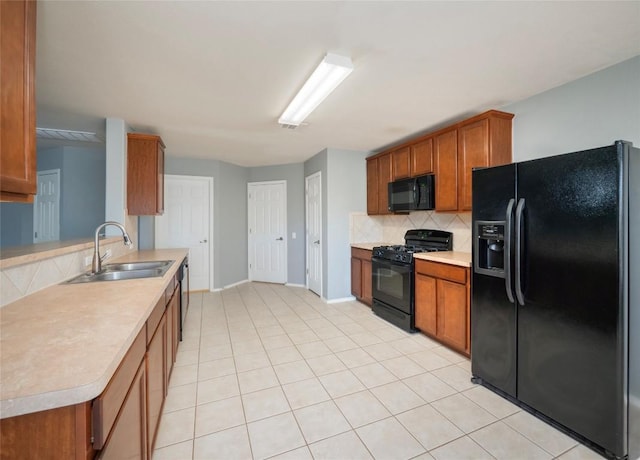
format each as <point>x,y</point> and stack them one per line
<point>416,194</point>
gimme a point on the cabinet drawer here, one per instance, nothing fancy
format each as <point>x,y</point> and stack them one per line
<point>442,271</point>
<point>108,404</point>
<point>361,253</point>
<point>155,317</point>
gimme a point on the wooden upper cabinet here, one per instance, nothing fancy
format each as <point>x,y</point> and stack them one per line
<point>385,175</point>
<point>401,163</point>
<point>17,93</point>
<point>450,154</point>
<point>481,143</point>
<point>422,158</point>
<point>473,152</point>
<point>145,174</point>
<point>372,186</point>
<point>445,153</point>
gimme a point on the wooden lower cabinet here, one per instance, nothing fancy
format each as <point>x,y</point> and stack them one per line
<point>128,437</point>
<point>156,379</point>
<point>122,422</point>
<point>442,299</point>
<point>62,433</point>
<point>361,287</point>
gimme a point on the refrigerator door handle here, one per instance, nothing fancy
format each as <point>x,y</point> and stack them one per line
<point>507,251</point>
<point>518,230</point>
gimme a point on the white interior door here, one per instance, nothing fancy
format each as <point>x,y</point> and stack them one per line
<point>313,199</point>
<point>46,207</point>
<point>187,222</point>
<point>268,231</point>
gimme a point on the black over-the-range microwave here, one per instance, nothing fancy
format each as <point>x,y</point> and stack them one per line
<point>415,194</point>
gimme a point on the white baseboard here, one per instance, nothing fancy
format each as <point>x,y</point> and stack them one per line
<point>235,284</point>
<point>295,285</point>
<point>343,299</point>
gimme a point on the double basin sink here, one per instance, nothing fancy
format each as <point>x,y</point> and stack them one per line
<point>125,271</point>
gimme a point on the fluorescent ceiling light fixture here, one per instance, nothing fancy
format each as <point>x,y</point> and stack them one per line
<point>327,76</point>
<point>66,135</point>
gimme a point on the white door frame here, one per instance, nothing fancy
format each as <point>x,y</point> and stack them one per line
<point>306,220</point>
<point>285,231</point>
<point>211,208</point>
<point>35,203</point>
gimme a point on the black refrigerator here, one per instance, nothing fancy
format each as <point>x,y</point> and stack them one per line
<point>555,304</point>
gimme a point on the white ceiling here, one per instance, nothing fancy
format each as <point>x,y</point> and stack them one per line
<point>212,78</point>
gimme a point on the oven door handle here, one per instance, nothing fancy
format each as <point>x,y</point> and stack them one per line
<point>389,263</point>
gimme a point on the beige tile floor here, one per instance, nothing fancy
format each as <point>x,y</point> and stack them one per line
<point>268,371</point>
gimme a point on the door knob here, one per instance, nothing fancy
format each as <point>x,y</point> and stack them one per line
<point>316,242</point>
<point>279,239</point>
<point>203,241</point>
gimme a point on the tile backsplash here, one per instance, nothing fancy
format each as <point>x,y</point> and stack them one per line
<point>391,229</point>
<point>21,280</point>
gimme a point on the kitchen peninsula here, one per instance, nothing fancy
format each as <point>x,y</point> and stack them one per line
<point>72,355</point>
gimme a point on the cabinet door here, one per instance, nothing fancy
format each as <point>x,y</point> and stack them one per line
<point>160,180</point>
<point>356,277</point>
<point>129,435</point>
<point>17,110</point>
<point>426,304</point>
<point>372,186</point>
<point>453,314</point>
<point>445,151</point>
<point>401,163</point>
<point>473,152</point>
<point>422,158</point>
<point>145,175</point>
<point>156,380</point>
<point>175,330</point>
<point>367,292</point>
<point>384,177</point>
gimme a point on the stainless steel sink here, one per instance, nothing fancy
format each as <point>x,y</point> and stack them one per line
<point>125,271</point>
<point>137,266</point>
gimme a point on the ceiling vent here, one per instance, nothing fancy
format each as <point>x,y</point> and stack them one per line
<point>66,135</point>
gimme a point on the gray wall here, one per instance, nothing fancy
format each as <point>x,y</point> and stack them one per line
<point>593,111</point>
<point>344,190</point>
<point>346,193</point>
<point>229,217</point>
<point>82,196</point>
<point>82,187</point>
<point>294,175</point>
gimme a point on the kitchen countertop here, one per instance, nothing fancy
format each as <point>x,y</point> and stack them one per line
<point>462,259</point>
<point>367,246</point>
<point>61,345</point>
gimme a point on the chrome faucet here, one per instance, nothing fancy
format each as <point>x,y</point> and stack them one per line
<point>96,263</point>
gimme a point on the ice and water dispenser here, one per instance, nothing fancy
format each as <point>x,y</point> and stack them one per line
<point>490,248</point>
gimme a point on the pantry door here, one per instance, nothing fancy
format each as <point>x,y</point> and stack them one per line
<point>313,194</point>
<point>268,231</point>
<point>187,222</point>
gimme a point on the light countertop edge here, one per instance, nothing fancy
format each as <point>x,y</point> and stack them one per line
<point>367,246</point>
<point>462,259</point>
<point>96,322</point>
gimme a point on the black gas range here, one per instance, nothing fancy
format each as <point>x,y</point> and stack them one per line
<point>393,274</point>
